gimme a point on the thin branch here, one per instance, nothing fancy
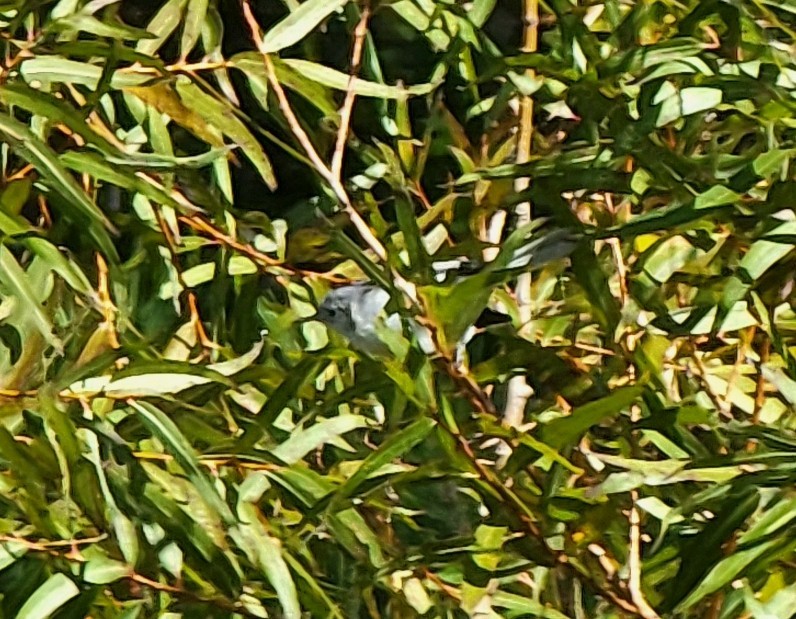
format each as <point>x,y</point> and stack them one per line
<point>634,564</point>
<point>298,131</point>
<point>723,406</point>
<point>47,546</point>
<point>51,548</point>
<point>107,307</point>
<point>348,104</point>
<point>760,386</point>
<point>518,389</point>
<point>522,511</point>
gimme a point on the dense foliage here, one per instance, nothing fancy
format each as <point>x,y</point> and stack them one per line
<point>183,182</point>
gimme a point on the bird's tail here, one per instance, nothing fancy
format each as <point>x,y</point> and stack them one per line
<point>525,250</point>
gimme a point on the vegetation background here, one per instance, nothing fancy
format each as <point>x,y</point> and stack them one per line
<point>182,181</point>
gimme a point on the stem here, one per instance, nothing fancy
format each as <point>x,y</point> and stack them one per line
<point>518,389</point>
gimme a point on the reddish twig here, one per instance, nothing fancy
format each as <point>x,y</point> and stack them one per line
<point>348,105</point>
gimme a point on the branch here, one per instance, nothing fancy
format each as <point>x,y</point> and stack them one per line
<point>74,556</point>
<point>518,389</point>
<point>350,94</point>
<point>634,564</point>
<point>298,131</point>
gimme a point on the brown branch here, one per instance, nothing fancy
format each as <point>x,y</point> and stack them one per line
<point>51,548</point>
<point>265,262</point>
<point>348,104</point>
<point>298,131</point>
<point>760,387</point>
<point>723,406</point>
<point>107,307</point>
<point>521,510</point>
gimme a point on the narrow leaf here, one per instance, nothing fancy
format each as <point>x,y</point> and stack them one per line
<point>299,24</point>
<point>56,591</point>
<point>394,447</point>
<point>566,430</point>
<point>16,280</point>
<point>168,432</point>
<point>45,160</point>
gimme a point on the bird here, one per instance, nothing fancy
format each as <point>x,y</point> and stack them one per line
<point>357,312</point>
<point>461,291</point>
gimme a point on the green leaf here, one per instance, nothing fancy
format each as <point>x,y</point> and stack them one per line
<point>418,256</point>
<point>302,374</point>
<point>781,381</point>
<point>15,195</point>
<point>332,78</point>
<point>301,442</point>
<point>521,606</point>
<point>168,432</point>
<point>123,527</point>
<point>101,571</point>
<point>45,160</point>
<point>56,591</point>
<point>99,168</point>
<point>687,101</point>
<point>251,64</point>
<point>717,195</point>
<point>16,280</point>
<point>764,254</point>
<point>27,471</point>
<point>725,571</point>
<point>88,23</point>
<point>771,161</point>
<point>221,116</point>
<point>60,264</point>
<point>480,10</point>
<point>453,309</point>
<point>299,24</point>
<point>10,552</point>
<point>50,69</point>
<point>567,430</point>
<point>771,522</point>
<point>354,534</point>
<point>195,15</point>
<point>266,553</point>
<point>394,447</point>
<point>162,25</point>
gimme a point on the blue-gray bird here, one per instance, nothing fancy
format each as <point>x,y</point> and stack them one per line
<point>357,311</point>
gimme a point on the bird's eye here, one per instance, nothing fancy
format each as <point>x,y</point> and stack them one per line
<point>331,312</point>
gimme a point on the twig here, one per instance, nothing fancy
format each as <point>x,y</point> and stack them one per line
<point>760,388</point>
<point>521,510</point>
<point>518,389</point>
<point>348,104</point>
<point>46,546</point>
<point>621,268</point>
<point>107,307</point>
<point>264,261</point>
<point>22,173</point>
<point>298,131</point>
<point>201,225</point>
<point>451,592</point>
<point>634,564</point>
<point>760,393</point>
<point>50,548</point>
<point>196,320</point>
<point>723,406</point>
